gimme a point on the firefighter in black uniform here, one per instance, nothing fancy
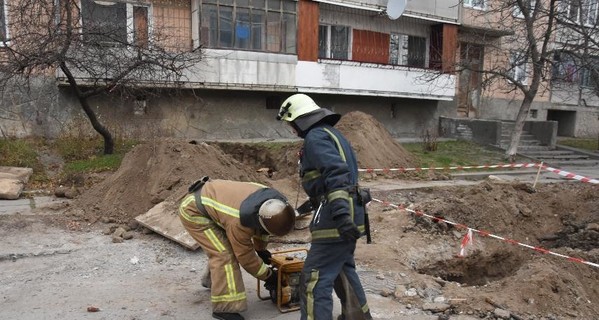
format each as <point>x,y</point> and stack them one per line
<point>329,174</point>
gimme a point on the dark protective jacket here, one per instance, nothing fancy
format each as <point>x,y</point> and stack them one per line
<point>329,173</point>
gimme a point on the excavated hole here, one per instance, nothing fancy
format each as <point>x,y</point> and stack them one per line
<point>476,269</point>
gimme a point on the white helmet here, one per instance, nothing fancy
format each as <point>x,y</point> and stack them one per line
<point>297,105</point>
<point>276,217</point>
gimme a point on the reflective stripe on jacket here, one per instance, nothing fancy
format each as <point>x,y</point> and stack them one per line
<point>329,171</point>
<point>222,200</point>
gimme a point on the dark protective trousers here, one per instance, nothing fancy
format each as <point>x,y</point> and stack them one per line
<point>328,266</point>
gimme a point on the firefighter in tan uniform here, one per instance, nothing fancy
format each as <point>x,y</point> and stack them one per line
<point>232,221</point>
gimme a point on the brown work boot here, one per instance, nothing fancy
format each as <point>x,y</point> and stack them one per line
<point>227,316</point>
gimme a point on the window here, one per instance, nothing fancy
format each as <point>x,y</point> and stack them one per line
<point>407,50</point>
<point>3,23</point>
<point>333,42</point>
<point>476,4</point>
<point>589,13</point>
<point>589,76</point>
<point>261,25</point>
<point>110,22</point>
<point>518,13</point>
<point>564,68</point>
<point>518,68</point>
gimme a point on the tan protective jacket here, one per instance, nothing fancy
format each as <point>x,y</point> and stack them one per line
<point>222,200</point>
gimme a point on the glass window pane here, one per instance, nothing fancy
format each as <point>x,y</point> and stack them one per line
<point>323,39</point>
<point>416,51</point>
<point>242,3</point>
<point>289,6</point>
<point>226,2</point>
<point>225,27</point>
<point>274,5</point>
<point>242,28</point>
<point>273,31</point>
<point>258,4</point>
<point>339,42</point>
<point>394,49</point>
<point>258,30</point>
<point>104,23</point>
<point>289,27</point>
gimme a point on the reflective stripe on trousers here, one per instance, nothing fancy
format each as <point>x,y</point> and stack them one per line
<point>227,290</point>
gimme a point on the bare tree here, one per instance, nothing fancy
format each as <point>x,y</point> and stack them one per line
<point>97,47</point>
<point>520,62</point>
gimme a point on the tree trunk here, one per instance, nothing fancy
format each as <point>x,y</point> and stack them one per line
<point>510,153</point>
<point>93,119</point>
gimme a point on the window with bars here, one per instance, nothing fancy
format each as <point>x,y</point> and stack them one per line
<point>113,22</point>
<point>407,50</point>
<point>577,11</point>
<point>260,25</point>
<point>334,42</point>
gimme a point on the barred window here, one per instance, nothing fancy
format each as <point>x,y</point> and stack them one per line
<point>407,50</point>
<point>110,22</point>
<point>260,25</point>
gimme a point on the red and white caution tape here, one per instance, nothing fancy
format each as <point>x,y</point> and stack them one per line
<point>570,175</point>
<point>487,234</point>
<point>486,166</point>
<point>562,173</point>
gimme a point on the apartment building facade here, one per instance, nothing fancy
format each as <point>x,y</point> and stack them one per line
<point>348,55</point>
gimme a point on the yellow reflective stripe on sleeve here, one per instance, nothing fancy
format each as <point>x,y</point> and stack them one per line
<point>310,175</point>
<point>262,271</point>
<point>215,241</point>
<point>220,207</point>
<point>310,294</point>
<point>338,194</point>
<point>341,153</point>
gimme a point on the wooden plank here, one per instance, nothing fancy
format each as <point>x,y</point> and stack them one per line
<point>164,220</point>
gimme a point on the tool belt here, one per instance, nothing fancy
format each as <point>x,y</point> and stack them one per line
<point>363,196</point>
<point>196,189</point>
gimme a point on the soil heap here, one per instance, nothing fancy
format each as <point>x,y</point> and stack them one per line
<point>372,142</point>
<point>153,171</point>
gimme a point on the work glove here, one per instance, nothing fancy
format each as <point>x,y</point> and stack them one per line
<point>270,283</point>
<point>265,255</point>
<point>347,228</point>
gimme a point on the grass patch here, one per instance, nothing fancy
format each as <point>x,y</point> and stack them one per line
<point>109,162</point>
<point>580,143</point>
<point>22,153</point>
<point>455,153</point>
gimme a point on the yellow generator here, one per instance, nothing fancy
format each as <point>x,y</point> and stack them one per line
<point>288,264</point>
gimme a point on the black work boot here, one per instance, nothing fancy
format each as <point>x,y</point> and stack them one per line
<point>227,316</point>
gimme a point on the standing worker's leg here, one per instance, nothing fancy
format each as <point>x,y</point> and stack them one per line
<point>322,265</point>
<point>350,291</point>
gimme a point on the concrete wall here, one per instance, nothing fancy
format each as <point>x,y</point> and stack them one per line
<point>544,131</point>
<point>480,131</point>
<point>199,114</point>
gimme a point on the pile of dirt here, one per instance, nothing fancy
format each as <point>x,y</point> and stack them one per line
<point>154,171</point>
<point>372,142</point>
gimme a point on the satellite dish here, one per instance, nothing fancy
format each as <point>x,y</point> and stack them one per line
<point>395,8</point>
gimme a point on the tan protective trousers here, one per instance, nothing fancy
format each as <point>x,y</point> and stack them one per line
<point>227,292</point>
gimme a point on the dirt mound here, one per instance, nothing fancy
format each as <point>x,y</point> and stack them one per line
<point>153,171</point>
<point>372,142</point>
